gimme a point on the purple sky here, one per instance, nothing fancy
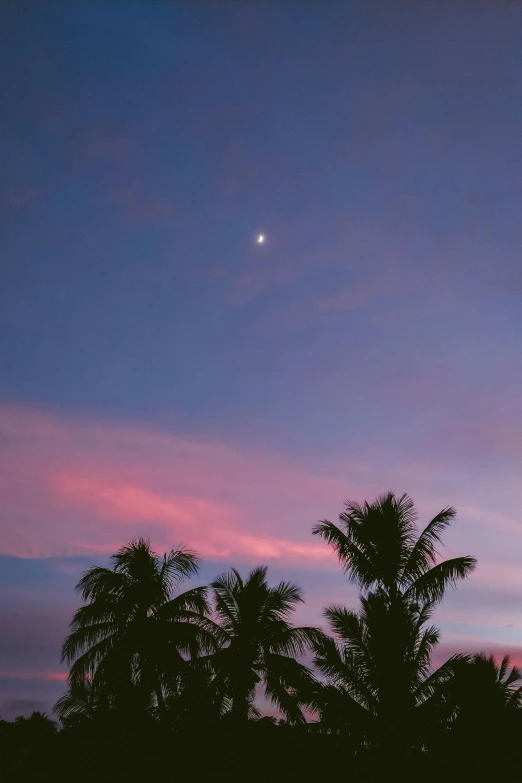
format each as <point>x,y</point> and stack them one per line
<point>163,374</point>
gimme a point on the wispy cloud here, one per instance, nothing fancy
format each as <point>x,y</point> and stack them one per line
<point>33,674</point>
<point>73,485</point>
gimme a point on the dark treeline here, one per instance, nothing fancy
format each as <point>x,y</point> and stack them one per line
<point>163,680</point>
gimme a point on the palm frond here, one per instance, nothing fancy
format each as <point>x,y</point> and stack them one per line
<point>84,667</point>
<point>99,581</point>
<point>78,700</point>
<point>288,684</point>
<point>293,641</point>
<point>226,588</point>
<point>424,647</point>
<point>346,624</point>
<point>136,556</point>
<point>194,600</point>
<point>177,566</point>
<point>282,599</point>
<point>88,636</point>
<point>424,553</point>
<point>432,585</point>
<point>441,676</point>
<point>355,560</point>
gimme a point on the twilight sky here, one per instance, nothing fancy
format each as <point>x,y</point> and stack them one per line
<point>164,375</point>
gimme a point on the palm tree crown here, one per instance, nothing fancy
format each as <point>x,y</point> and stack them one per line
<point>485,688</point>
<point>261,644</point>
<point>380,548</point>
<point>132,631</point>
<point>378,670</point>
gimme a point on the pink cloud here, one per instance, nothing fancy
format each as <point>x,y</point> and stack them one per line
<point>212,528</point>
<point>34,674</point>
<point>71,485</point>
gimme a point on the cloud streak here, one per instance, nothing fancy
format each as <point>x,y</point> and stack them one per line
<point>73,486</point>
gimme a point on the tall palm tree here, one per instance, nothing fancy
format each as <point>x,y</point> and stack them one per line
<point>260,645</point>
<point>381,670</point>
<point>379,547</point>
<point>378,683</point>
<point>133,633</point>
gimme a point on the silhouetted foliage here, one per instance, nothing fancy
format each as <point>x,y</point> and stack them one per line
<point>488,697</point>
<point>261,645</point>
<point>164,681</point>
<point>132,635</point>
<point>380,690</point>
<point>379,549</point>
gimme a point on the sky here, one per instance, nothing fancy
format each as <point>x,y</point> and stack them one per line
<point>162,374</point>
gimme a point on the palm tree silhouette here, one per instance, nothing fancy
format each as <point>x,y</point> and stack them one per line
<point>485,690</point>
<point>379,548</point>
<point>378,673</point>
<point>261,645</point>
<point>484,699</point>
<point>379,685</point>
<point>133,634</point>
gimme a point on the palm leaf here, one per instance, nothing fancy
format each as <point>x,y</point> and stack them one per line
<point>424,553</point>
<point>432,584</point>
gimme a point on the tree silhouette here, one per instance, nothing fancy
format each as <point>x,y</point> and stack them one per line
<point>133,635</point>
<point>379,686</point>
<point>140,651</point>
<point>379,548</point>
<point>485,693</point>
<point>261,645</point>
<point>37,724</point>
<point>378,675</point>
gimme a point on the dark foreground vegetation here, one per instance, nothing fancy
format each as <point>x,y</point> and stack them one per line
<point>162,682</point>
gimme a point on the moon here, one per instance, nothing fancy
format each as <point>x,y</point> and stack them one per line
<point>260,239</point>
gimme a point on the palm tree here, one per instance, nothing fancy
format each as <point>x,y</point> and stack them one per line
<point>379,686</point>
<point>485,701</point>
<point>485,691</point>
<point>78,703</point>
<point>379,548</point>
<point>260,645</point>
<point>379,672</point>
<point>133,634</point>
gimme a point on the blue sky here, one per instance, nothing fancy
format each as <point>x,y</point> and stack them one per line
<point>164,374</point>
